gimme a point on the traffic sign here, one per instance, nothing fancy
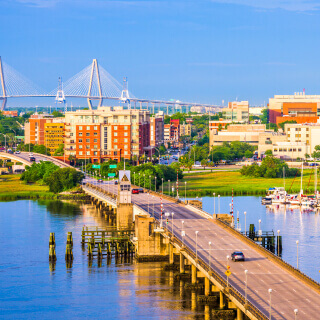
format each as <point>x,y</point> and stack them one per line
<point>113,166</point>
<point>96,166</point>
<point>228,273</point>
<point>111,174</point>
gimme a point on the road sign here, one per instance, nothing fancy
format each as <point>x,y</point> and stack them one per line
<point>228,273</point>
<point>113,166</point>
<point>96,166</point>
<point>111,174</point>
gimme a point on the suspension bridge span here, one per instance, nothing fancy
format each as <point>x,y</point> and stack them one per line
<point>93,83</point>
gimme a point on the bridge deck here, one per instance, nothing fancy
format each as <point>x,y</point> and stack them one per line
<point>288,292</point>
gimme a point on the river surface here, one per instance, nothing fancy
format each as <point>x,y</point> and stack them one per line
<point>32,288</point>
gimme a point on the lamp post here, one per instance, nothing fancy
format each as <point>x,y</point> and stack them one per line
<point>219,203</point>
<point>246,273</point>
<point>278,241</point>
<point>155,184</point>
<point>214,203</point>
<point>185,191</point>
<point>162,185</point>
<point>295,313</point>
<point>270,290</point>
<point>169,187</point>
<point>196,244</point>
<point>297,242</point>
<point>5,142</point>
<point>228,269</point>
<point>245,223</point>
<point>209,255</point>
<point>172,223</point>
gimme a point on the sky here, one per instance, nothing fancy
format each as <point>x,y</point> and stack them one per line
<point>201,51</point>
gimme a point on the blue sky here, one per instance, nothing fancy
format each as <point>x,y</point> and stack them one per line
<point>204,50</point>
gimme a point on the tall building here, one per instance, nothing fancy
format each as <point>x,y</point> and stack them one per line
<point>53,135</point>
<point>185,129</point>
<point>174,129</point>
<point>299,107</point>
<point>237,111</point>
<point>157,129</point>
<point>34,128</point>
<point>107,133</point>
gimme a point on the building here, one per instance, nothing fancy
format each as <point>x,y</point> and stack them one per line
<point>10,113</point>
<point>107,133</point>
<point>248,133</point>
<point>268,139</point>
<point>157,129</point>
<point>185,129</point>
<point>34,128</point>
<point>299,107</point>
<point>237,111</point>
<point>53,135</point>
<point>174,129</point>
<point>256,111</point>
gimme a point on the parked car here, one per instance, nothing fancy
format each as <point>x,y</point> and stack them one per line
<point>135,191</point>
<point>17,152</point>
<point>100,180</point>
<point>237,256</point>
<point>115,181</point>
<point>141,190</point>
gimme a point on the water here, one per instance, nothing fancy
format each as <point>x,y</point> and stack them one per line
<point>293,224</point>
<point>30,288</point>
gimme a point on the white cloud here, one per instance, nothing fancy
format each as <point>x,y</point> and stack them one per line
<point>289,5</point>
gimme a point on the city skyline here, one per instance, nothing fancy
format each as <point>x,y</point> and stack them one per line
<point>169,49</point>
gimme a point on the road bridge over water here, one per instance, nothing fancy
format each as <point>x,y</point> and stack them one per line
<point>291,290</point>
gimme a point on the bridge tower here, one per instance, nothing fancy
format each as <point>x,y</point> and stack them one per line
<point>3,97</point>
<point>125,97</point>
<point>60,97</point>
<point>94,82</point>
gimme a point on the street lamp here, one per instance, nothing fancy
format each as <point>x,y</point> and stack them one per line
<point>209,256</point>
<point>228,269</point>
<point>270,290</point>
<point>295,313</point>
<point>246,273</point>
<point>278,242</point>
<point>162,184</point>
<point>214,203</point>
<point>172,222</point>
<point>197,244</point>
<point>219,203</point>
<point>297,242</point>
<point>169,187</point>
<point>185,191</point>
<point>245,223</point>
<point>155,184</point>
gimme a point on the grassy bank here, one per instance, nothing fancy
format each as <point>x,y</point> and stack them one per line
<point>205,183</point>
<point>12,188</point>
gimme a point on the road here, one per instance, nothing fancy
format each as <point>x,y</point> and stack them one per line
<point>288,293</point>
<point>38,157</point>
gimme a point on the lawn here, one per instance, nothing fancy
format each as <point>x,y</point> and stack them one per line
<point>200,184</point>
<point>12,188</point>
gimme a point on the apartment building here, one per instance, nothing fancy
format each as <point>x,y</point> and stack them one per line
<point>174,129</point>
<point>299,107</point>
<point>107,133</point>
<point>157,129</point>
<point>185,129</point>
<point>53,135</point>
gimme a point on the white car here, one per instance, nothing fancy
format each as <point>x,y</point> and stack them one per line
<point>17,152</point>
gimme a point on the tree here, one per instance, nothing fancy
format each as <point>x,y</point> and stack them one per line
<point>265,116</point>
<point>281,125</point>
<point>60,150</point>
<point>307,156</point>
<point>248,154</point>
<point>204,163</point>
<point>39,148</point>
<point>268,153</point>
<point>57,114</point>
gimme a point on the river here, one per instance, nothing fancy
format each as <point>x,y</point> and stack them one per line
<point>31,288</point>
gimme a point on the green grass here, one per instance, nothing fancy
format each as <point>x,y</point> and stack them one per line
<point>205,183</point>
<point>12,188</point>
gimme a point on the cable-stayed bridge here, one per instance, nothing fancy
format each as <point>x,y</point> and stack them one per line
<point>93,83</point>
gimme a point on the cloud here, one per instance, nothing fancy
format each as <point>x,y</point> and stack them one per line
<point>289,5</point>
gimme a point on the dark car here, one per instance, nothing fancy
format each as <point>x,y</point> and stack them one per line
<point>32,159</point>
<point>100,180</point>
<point>141,190</point>
<point>237,256</point>
<point>135,191</point>
<point>115,181</point>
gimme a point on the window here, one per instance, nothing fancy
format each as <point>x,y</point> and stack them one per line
<point>294,149</point>
<point>126,146</point>
<point>299,150</point>
<point>80,140</point>
<point>125,127</point>
<point>95,140</point>
<point>95,133</point>
<point>125,140</point>
<point>88,128</point>
<point>95,146</point>
<point>95,153</point>
<point>95,128</point>
<point>126,152</point>
<point>88,153</point>
<point>80,134</point>
<point>88,134</point>
<point>115,128</point>
<point>115,147</point>
<point>115,134</point>
<point>80,153</point>
<point>115,140</point>
<point>126,134</point>
<point>80,127</point>
<point>87,147</point>
<point>87,140</point>
<point>71,134</point>
<point>80,147</point>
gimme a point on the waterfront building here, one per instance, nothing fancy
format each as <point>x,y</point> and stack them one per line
<point>299,107</point>
<point>53,135</point>
<point>107,133</point>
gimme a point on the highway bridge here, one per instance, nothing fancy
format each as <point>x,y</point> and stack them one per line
<point>275,290</point>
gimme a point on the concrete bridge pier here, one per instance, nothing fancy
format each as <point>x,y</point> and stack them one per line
<point>239,314</point>
<point>182,264</point>
<point>124,215</point>
<point>171,255</point>
<point>193,274</point>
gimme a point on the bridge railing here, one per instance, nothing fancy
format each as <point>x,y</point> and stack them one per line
<point>296,272</point>
<point>249,306</point>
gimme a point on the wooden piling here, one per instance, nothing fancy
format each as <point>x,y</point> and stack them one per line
<point>52,240</point>
<point>52,253</point>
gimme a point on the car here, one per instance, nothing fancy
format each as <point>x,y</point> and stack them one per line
<point>17,152</point>
<point>100,180</point>
<point>135,191</point>
<point>237,256</point>
<point>115,181</point>
<point>32,159</point>
<point>141,190</point>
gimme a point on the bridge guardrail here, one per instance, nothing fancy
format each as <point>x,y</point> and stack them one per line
<point>296,272</point>
<point>214,274</point>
